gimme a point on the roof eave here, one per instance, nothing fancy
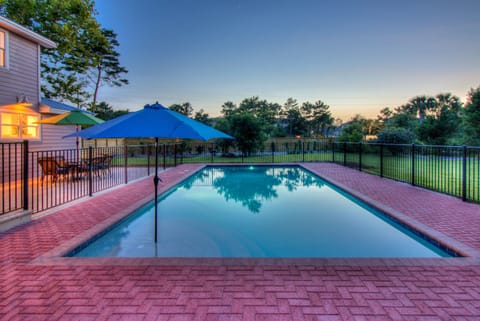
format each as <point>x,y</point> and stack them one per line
<point>26,33</point>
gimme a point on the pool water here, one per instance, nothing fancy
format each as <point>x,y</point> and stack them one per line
<point>258,211</point>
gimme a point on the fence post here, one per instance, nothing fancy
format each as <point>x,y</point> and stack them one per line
<point>303,152</point>
<point>360,157</point>
<point>273,152</point>
<point>181,154</point>
<point>164,156</point>
<point>333,151</point>
<point>25,174</point>
<point>125,162</point>
<point>464,173</point>
<point>344,154</point>
<point>413,165</point>
<point>148,159</point>
<point>381,160</point>
<point>90,169</point>
<point>174,155</point>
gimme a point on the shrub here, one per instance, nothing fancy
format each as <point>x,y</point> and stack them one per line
<point>396,135</point>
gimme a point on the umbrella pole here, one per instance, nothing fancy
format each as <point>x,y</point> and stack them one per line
<point>156,179</point>
<point>77,143</point>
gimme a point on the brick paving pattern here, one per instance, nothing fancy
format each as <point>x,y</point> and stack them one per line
<point>335,291</point>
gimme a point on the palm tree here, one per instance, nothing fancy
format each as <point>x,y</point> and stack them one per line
<point>447,101</point>
<point>422,104</point>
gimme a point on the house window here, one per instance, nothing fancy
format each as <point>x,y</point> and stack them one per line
<point>18,126</point>
<point>3,49</point>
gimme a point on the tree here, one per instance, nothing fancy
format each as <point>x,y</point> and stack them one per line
<point>389,123</point>
<point>202,117</point>
<point>264,111</point>
<point>247,130</point>
<point>104,111</point>
<point>229,108</point>
<point>107,69</point>
<point>292,118</point>
<point>81,44</point>
<point>382,119</point>
<point>421,105</point>
<point>297,124</point>
<point>354,131</point>
<point>395,135</point>
<point>223,125</point>
<point>289,104</point>
<point>351,133</point>
<point>318,117</point>
<point>185,109</point>
<point>471,117</point>
<point>402,120</point>
<point>441,125</point>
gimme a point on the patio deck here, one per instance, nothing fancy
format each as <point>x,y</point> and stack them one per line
<point>32,288</point>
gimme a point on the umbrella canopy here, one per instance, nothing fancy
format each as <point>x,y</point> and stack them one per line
<point>153,121</point>
<point>75,117</point>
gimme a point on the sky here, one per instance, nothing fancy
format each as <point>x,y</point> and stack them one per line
<point>357,56</point>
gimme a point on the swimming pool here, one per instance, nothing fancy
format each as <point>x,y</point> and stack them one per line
<point>258,211</point>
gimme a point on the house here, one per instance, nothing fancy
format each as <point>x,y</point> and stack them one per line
<point>21,105</point>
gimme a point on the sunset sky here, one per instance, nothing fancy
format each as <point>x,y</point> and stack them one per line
<point>356,56</point>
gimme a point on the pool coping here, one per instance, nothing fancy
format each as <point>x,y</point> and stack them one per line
<point>56,255</point>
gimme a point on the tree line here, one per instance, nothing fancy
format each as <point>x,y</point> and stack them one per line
<point>433,120</point>
<point>254,120</point>
<point>439,120</point>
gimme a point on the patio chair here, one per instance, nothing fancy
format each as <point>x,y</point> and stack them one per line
<point>80,169</point>
<point>106,164</point>
<point>101,165</point>
<point>53,168</point>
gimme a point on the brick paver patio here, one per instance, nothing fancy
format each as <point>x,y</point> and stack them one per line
<point>36,286</point>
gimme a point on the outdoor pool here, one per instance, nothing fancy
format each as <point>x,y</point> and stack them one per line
<point>259,211</point>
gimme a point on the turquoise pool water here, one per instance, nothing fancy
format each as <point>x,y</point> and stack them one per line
<point>258,211</point>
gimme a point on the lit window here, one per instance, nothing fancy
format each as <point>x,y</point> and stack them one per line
<point>19,126</point>
<point>3,49</point>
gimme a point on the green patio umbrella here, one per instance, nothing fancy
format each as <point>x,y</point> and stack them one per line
<point>76,117</point>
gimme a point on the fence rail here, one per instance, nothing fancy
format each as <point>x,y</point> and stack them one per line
<point>44,179</point>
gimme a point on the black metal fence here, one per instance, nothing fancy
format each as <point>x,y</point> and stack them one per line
<point>453,170</point>
<point>41,180</point>
<point>12,177</point>
<point>271,152</point>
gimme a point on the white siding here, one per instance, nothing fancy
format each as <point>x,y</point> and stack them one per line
<point>52,138</point>
<point>21,78</point>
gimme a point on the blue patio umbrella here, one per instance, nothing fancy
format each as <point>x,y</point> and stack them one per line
<point>153,121</point>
